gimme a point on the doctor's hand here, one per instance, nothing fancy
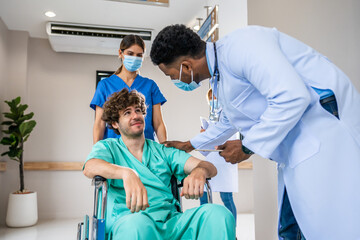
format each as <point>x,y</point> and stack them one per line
<point>232,151</point>
<point>185,146</point>
<point>193,187</point>
<point>136,194</point>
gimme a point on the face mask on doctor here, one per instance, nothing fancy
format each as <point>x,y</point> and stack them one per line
<point>132,63</point>
<point>185,86</point>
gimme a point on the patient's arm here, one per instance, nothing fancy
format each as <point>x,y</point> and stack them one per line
<point>136,194</point>
<point>194,184</point>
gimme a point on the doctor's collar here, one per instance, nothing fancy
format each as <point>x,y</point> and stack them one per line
<point>210,57</point>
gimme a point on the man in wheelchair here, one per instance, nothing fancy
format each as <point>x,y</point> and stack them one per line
<point>140,202</point>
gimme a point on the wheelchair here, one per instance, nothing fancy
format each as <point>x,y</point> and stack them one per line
<point>100,198</point>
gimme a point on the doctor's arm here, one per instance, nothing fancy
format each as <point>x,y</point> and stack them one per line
<point>158,122</point>
<point>214,135</point>
<point>99,125</point>
<point>198,171</point>
<point>136,194</point>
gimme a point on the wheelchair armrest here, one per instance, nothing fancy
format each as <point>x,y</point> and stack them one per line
<point>98,179</point>
<point>208,188</point>
<point>181,184</point>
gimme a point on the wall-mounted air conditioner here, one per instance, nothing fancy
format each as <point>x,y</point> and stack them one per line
<point>93,39</point>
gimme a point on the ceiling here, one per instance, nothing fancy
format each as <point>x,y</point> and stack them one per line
<point>28,15</point>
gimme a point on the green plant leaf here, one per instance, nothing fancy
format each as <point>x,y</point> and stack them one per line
<point>15,153</point>
<point>12,116</point>
<point>11,105</point>
<point>26,127</point>
<point>8,141</point>
<point>24,118</point>
<point>7,122</point>
<point>5,153</point>
<point>16,100</point>
<point>11,130</point>
<point>21,109</point>
<point>26,137</point>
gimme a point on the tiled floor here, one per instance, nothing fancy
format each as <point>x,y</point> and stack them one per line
<point>65,229</point>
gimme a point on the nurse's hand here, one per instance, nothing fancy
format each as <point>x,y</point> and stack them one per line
<point>232,151</point>
<point>193,187</point>
<point>185,146</point>
<point>136,194</point>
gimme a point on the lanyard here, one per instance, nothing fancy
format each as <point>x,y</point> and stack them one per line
<point>214,111</point>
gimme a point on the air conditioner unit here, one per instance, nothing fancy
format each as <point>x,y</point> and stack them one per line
<point>93,39</point>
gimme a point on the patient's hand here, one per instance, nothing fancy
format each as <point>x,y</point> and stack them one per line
<point>185,146</point>
<point>136,194</point>
<point>193,187</point>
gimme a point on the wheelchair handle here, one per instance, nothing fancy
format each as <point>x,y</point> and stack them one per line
<point>181,184</point>
<point>98,178</point>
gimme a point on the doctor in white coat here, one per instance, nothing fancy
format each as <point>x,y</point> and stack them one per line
<point>270,86</point>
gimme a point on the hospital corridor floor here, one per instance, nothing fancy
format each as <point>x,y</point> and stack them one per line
<point>65,229</point>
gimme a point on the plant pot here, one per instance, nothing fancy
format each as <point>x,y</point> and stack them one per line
<point>22,210</point>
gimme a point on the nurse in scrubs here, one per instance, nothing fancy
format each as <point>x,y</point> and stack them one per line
<point>131,54</point>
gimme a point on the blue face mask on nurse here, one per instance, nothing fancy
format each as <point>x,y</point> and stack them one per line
<point>131,61</point>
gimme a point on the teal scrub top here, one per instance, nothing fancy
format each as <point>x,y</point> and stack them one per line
<point>158,164</point>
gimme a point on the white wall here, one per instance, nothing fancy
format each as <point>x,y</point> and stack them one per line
<point>332,28</point>
<point>3,78</point>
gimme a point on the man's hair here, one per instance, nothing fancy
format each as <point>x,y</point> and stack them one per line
<point>176,41</point>
<point>119,101</point>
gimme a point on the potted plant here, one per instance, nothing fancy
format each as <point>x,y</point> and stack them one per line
<point>22,205</point>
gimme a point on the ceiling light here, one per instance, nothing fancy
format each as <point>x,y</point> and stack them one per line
<point>196,27</point>
<point>50,14</point>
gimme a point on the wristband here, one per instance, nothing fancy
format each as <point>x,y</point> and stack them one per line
<point>246,150</point>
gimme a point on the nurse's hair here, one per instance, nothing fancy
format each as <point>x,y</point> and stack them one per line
<point>119,101</point>
<point>127,42</point>
<point>175,41</point>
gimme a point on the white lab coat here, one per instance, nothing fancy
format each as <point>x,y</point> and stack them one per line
<point>266,91</point>
<point>226,179</point>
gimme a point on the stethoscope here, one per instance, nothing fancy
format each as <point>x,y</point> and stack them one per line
<point>214,110</point>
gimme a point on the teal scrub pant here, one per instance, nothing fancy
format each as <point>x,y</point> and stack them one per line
<point>209,221</point>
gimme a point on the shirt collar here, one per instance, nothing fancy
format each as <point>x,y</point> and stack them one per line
<point>210,57</point>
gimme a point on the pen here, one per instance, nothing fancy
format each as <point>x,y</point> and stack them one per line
<point>208,150</point>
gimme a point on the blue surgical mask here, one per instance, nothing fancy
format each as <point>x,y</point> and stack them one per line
<point>185,86</point>
<point>132,63</point>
